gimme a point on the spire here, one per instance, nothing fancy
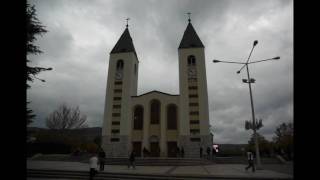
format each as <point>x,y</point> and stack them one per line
<point>127,22</point>
<point>190,38</point>
<point>125,43</point>
<point>189,13</point>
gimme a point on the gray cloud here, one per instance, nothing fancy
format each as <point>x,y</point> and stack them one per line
<point>81,35</point>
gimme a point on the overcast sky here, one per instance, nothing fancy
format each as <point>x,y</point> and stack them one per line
<point>81,34</point>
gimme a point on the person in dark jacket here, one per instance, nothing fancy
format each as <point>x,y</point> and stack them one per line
<point>213,153</point>
<point>208,152</point>
<point>182,152</point>
<point>178,152</point>
<point>201,152</point>
<point>132,160</point>
<point>144,152</point>
<point>102,159</point>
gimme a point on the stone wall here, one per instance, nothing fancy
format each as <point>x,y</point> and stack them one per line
<point>115,149</point>
<point>192,149</point>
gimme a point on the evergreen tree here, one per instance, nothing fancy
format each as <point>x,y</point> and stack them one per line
<point>34,28</point>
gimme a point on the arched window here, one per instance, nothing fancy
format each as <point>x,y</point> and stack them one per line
<point>120,64</point>
<point>191,60</point>
<point>155,112</point>
<point>172,116</point>
<point>138,117</point>
<point>135,68</point>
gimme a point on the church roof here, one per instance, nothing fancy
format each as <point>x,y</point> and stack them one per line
<point>190,38</point>
<point>124,44</point>
<point>157,92</point>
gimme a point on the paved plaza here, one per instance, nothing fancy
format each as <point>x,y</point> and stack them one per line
<point>214,170</point>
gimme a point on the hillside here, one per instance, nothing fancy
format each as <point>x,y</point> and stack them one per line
<point>85,133</point>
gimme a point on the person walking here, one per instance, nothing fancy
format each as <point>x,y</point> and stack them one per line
<point>93,163</point>
<point>132,160</point>
<point>182,152</point>
<point>102,159</point>
<point>201,152</point>
<point>208,152</point>
<point>213,153</point>
<point>250,161</point>
<point>178,152</point>
<point>144,152</point>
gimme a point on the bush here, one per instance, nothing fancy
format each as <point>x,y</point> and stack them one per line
<point>229,152</point>
<point>48,148</point>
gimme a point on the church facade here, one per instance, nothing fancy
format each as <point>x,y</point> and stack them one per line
<point>157,121</point>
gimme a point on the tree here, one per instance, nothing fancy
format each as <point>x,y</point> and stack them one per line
<point>265,146</point>
<point>283,139</point>
<point>34,28</point>
<point>30,115</point>
<point>97,140</point>
<point>66,118</point>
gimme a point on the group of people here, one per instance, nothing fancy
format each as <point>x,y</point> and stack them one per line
<point>209,151</point>
<point>180,152</point>
<point>101,159</point>
<point>94,161</point>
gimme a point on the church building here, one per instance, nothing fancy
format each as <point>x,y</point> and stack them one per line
<point>157,121</point>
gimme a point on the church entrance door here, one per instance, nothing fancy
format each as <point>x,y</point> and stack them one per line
<point>137,148</point>
<point>154,149</point>
<point>172,148</point>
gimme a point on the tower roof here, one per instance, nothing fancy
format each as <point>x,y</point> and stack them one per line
<point>124,44</point>
<point>190,38</point>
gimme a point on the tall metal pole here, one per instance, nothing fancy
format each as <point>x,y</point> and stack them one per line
<point>254,122</point>
<point>249,81</point>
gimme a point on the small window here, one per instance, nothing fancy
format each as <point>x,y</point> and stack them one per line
<point>193,104</point>
<point>117,98</point>
<point>115,131</point>
<point>195,139</point>
<point>116,106</point>
<point>193,95</point>
<point>120,64</point>
<point>135,68</point>
<point>194,121</point>
<point>194,131</point>
<point>118,90</point>
<point>114,139</point>
<point>193,87</point>
<point>115,114</point>
<point>115,122</point>
<point>194,113</point>
<point>191,60</point>
<point>118,82</point>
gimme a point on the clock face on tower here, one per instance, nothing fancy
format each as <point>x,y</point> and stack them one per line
<point>192,72</point>
<point>118,75</point>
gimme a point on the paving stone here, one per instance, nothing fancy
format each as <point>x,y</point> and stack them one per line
<point>219,170</point>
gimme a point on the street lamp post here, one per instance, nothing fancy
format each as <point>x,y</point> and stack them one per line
<point>249,81</point>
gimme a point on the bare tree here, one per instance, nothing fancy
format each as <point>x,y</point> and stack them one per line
<point>66,118</point>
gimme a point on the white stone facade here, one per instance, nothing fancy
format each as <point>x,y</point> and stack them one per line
<point>121,131</point>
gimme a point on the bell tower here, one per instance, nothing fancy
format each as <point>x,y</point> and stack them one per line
<point>121,85</point>
<point>194,122</point>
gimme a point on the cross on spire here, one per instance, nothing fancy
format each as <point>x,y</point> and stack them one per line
<point>189,13</point>
<point>127,22</point>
